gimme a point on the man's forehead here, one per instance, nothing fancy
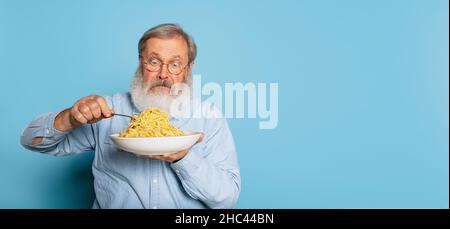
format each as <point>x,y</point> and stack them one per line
<point>175,47</point>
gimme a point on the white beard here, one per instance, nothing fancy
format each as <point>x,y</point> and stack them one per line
<point>143,98</point>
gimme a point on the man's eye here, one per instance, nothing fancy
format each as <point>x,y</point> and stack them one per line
<point>175,65</point>
<point>154,62</point>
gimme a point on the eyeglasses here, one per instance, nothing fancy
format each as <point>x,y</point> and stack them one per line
<point>154,65</point>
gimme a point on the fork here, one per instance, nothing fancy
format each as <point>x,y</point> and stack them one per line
<point>124,115</point>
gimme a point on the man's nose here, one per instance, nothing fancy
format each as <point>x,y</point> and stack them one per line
<point>164,73</point>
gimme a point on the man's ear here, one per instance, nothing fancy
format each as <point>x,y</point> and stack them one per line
<point>140,68</point>
<point>191,65</point>
<point>189,70</point>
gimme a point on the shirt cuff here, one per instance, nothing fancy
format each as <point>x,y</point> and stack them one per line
<point>188,164</point>
<point>49,130</point>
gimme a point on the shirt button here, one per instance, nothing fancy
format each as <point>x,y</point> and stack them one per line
<point>154,180</point>
<point>47,131</point>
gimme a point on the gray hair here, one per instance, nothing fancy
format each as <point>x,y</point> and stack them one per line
<point>168,31</point>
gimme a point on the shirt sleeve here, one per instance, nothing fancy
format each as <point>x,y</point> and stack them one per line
<point>56,142</point>
<point>212,176</point>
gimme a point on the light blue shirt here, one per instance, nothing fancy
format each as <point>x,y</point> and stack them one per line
<point>207,177</point>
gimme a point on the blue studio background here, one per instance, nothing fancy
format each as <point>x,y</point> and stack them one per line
<point>363,94</point>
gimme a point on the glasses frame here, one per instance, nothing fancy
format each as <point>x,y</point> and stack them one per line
<point>162,63</point>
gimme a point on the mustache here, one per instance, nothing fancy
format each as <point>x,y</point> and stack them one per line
<point>157,83</point>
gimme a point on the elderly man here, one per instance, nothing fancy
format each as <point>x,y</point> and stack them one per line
<point>204,176</point>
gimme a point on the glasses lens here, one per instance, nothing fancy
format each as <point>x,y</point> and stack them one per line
<point>153,64</point>
<point>175,68</point>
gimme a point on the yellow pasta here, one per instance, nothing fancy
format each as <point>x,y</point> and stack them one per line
<point>150,123</point>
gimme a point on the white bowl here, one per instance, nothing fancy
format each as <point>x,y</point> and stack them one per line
<point>156,145</point>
